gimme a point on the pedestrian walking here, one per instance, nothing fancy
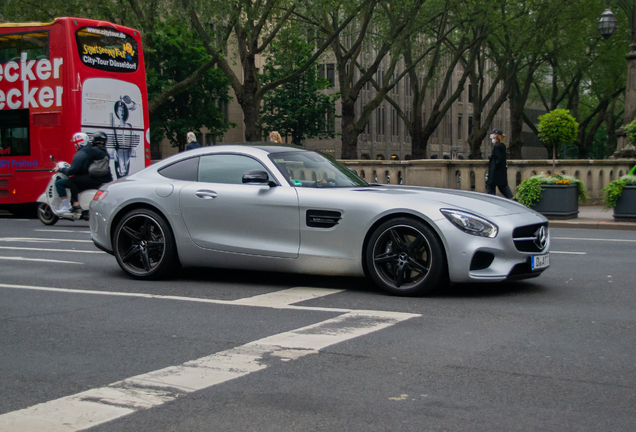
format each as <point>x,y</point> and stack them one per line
<point>192,141</point>
<point>498,166</point>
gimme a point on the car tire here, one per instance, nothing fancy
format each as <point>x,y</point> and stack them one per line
<point>405,257</point>
<point>144,245</point>
<point>46,215</point>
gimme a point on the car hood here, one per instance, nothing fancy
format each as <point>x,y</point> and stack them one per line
<point>480,203</point>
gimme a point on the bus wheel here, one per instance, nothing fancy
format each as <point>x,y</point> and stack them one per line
<point>46,215</point>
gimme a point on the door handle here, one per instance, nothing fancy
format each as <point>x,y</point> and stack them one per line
<point>206,194</point>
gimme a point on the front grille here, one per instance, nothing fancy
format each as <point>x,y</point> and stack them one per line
<point>525,238</point>
<point>481,260</point>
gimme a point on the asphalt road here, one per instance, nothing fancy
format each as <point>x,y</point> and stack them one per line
<point>82,345</point>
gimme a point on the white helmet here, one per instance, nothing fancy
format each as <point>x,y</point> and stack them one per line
<point>79,140</point>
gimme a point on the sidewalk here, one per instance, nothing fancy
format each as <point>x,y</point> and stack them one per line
<point>593,217</point>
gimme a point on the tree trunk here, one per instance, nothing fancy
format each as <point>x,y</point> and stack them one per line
<point>516,130</point>
<point>248,101</point>
<point>516,120</point>
<point>610,126</point>
<point>349,132</point>
<point>418,140</point>
<point>476,137</point>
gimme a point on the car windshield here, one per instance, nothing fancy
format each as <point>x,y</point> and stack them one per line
<point>309,169</point>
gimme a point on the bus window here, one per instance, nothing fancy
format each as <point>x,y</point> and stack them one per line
<point>107,49</point>
<point>35,45</point>
<point>14,133</point>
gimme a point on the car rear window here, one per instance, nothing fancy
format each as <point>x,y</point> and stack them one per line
<point>187,170</point>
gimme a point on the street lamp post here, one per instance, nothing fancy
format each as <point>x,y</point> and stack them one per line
<point>607,26</point>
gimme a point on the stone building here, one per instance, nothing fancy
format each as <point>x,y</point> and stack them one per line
<point>386,136</point>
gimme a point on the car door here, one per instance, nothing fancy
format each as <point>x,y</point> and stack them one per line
<point>224,214</point>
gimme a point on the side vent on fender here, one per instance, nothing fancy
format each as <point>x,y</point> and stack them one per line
<point>322,218</point>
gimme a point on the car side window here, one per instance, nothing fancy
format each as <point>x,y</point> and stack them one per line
<point>226,168</point>
<point>187,169</point>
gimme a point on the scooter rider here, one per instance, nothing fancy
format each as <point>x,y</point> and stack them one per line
<point>87,152</point>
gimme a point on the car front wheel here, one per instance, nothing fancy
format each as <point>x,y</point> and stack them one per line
<point>144,245</point>
<point>405,257</point>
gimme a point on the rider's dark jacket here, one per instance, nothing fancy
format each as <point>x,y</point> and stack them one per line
<point>84,158</point>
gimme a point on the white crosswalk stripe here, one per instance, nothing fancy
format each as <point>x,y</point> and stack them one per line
<point>97,406</point>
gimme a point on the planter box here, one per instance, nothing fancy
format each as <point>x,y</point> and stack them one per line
<point>558,201</point>
<point>625,210</point>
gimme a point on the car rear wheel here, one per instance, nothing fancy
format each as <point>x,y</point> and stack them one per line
<point>405,257</point>
<point>46,215</point>
<point>144,245</point>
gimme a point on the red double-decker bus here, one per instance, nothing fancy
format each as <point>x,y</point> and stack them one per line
<point>63,77</point>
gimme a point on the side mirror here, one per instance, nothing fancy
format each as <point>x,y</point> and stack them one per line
<point>52,158</point>
<point>258,177</point>
<point>353,171</point>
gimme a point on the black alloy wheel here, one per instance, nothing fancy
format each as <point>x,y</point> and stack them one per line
<point>405,257</point>
<point>46,215</point>
<point>144,245</point>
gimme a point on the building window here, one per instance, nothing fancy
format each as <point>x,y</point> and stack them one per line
<point>380,120</point>
<point>331,74</point>
<point>395,125</point>
<point>470,125</point>
<point>459,127</point>
<point>321,71</point>
<point>470,93</point>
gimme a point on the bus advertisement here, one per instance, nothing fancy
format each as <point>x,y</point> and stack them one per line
<point>56,79</point>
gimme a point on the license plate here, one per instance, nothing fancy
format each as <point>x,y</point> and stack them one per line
<point>540,261</point>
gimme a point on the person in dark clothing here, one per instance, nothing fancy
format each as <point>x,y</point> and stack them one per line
<point>79,179</point>
<point>498,166</point>
<point>192,141</point>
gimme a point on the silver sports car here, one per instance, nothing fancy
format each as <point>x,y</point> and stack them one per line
<point>291,210</point>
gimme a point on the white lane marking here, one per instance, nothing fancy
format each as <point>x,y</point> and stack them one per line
<point>40,260</point>
<point>59,230</point>
<point>594,239</point>
<point>50,250</point>
<point>570,253</point>
<point>40,240</point>
<point>97,406</point>
<point>286,297</point>
<point>263,302</point>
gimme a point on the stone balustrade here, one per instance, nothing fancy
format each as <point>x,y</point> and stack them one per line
<point>470,174</point>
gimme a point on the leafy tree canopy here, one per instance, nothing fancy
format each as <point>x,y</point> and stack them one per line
<point>557,127</point>
<point>176,54</point>
<point>297,108</point>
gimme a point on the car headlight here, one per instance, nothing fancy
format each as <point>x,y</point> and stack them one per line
<point>470,223</point>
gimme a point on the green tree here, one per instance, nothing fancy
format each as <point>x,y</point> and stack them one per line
<point>556,128</point>
<point>450,40</point>
<point>176,53</point>
<point>144,15</point>
<point>239,31</point>
<point>586,74</point>
<point>298,108</point>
